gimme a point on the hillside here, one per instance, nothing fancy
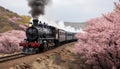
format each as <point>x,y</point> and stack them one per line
<point>10,20</point>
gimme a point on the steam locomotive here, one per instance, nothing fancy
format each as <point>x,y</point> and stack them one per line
<point>42,37</point>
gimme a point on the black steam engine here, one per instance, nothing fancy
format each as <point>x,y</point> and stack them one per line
<point>42,37</point>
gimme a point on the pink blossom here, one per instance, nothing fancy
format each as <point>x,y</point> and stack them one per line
<point>9,41</point>
<point>23,27</point>
<point>100,45</point>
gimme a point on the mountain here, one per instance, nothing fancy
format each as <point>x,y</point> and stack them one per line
<point>10,20</point>
<point>76,25</point>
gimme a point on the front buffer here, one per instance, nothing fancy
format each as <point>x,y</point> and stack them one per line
<point>30,47</point>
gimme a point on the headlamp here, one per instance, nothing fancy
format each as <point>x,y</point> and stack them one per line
<point>30,25</point>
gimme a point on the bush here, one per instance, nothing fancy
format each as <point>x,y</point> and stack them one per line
<point>100,44</point>
<point>9,41</point>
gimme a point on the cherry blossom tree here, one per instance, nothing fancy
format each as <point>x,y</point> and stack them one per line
<point>9,41</point>
<point>99,45</point>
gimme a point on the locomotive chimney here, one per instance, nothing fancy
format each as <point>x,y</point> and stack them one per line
<point>35,22</point>
<point>40,22</point>
<point>44,23</point>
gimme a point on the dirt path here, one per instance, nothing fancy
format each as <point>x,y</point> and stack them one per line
<point>28,60</point>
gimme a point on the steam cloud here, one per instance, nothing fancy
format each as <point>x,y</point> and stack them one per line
<point>37,7</point>
<point>59,24</point>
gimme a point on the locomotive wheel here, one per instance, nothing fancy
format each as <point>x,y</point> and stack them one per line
<point>45,46</point>
<point>52,44</point>
<point>57,43</point>
<point>23,50</point>
<point>51,47</point>
<point>41,48</point>
<point>37,50</point>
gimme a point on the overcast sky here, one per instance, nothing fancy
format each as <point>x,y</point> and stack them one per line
<point>65,10</point>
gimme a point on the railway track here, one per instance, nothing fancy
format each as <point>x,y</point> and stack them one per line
<point>16,56</point>
<point>29,58</point>
<point>11,57</point>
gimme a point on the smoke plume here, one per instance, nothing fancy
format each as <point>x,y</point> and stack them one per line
<point>37,7</point>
